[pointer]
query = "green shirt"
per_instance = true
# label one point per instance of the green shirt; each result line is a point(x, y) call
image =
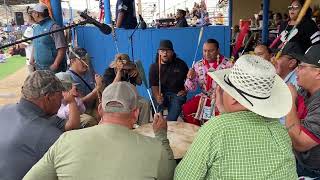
point(105, 152)
point(240, 145)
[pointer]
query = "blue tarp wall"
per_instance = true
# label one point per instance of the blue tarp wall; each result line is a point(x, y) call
point(102, 48)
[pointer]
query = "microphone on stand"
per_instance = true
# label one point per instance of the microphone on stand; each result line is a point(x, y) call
point(143, 24)
point(105, 29)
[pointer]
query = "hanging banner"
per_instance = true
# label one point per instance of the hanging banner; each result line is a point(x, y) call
point(47, 2)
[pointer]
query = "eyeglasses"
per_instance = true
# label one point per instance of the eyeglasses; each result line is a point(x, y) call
point(165, 50)
point(296, 7)
point(301, 66)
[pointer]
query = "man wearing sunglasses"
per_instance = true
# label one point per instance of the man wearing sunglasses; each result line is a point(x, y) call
point(305, 133)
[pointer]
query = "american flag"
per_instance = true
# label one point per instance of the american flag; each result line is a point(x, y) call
point(101, 6)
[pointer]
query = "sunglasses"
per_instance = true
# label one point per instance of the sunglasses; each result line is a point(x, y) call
point(296, 7)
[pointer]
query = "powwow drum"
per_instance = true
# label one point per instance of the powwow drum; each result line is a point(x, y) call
point(180, 135)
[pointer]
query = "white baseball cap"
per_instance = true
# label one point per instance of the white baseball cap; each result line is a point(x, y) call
point(40, 7)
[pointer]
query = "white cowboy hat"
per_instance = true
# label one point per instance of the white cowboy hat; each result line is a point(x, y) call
point(253, 82)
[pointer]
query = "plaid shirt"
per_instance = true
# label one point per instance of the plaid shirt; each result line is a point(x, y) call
point(240, 145)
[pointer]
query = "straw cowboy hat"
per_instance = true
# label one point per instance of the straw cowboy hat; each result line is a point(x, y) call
point(253, 82)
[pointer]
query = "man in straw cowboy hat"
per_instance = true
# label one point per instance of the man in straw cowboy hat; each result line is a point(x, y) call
point(305, 131)
point(246, 141)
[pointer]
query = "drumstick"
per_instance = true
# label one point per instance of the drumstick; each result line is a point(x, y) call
point(199, 40)
point(159, 68)
point(152, 103)
point(300, 16)
point(114, 37)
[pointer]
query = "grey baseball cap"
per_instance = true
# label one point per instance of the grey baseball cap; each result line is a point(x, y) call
point(119, 97)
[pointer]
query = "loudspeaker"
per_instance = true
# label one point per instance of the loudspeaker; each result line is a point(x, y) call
point(19, 18)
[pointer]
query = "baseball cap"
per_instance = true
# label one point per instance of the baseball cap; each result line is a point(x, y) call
point(292, 49)
point(166, 45)
point(79, 53)
point(40, 83)
point(40, 7)
point(119, 97)
point(66, 80)
point(311, 56)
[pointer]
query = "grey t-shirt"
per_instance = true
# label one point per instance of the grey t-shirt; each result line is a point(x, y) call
point(58, 37)
point(26, 135)
point(311, 126)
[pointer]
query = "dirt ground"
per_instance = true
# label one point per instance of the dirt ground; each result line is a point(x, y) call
point(10, 86)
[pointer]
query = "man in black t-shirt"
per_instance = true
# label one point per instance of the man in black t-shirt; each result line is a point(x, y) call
point(126, 14)
point(173, 72)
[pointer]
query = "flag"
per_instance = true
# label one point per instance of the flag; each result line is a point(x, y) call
point(47, 2)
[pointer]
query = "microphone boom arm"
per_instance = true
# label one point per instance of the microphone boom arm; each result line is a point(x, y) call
point(44, 34)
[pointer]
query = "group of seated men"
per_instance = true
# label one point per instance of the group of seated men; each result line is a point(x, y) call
point(243, 139)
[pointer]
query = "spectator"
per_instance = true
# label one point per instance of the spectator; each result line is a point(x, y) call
point(125, 14)
point(307, 30)
point(48, 51)
point(181, 18)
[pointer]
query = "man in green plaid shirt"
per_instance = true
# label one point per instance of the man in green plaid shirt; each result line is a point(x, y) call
point(247, 141)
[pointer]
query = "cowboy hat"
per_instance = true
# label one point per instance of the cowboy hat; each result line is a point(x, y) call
point(253, 82)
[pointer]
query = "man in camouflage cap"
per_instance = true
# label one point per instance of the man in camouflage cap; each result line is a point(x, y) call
point(30, 127)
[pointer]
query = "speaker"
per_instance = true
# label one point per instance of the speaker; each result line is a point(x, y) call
point(19, 18)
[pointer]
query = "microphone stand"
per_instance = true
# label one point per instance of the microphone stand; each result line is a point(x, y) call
point(130, 39)
point(45, 34)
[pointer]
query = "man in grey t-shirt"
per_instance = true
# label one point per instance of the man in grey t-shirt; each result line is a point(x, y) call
point(30, 127)
point(305, 133)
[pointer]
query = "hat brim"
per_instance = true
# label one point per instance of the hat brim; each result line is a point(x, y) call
point(276, 106)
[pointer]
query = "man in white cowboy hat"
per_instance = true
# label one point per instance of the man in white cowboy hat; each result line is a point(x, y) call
point(246, 141)
point(305, 131)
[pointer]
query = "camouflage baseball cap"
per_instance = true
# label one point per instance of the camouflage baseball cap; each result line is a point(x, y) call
point(40, 83)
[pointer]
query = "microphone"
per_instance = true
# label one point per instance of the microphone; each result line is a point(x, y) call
point(105, 29)
point(143, 24)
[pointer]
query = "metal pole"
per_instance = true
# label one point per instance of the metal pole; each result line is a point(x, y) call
point(159, 8)
point(107, 12)
point(5, 6)
point(164, 8)
point(230, 13)
point(265, 18)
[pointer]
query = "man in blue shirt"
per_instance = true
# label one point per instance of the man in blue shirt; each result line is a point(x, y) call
point(126, 14)
point(48, 51)
point(30, 127)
